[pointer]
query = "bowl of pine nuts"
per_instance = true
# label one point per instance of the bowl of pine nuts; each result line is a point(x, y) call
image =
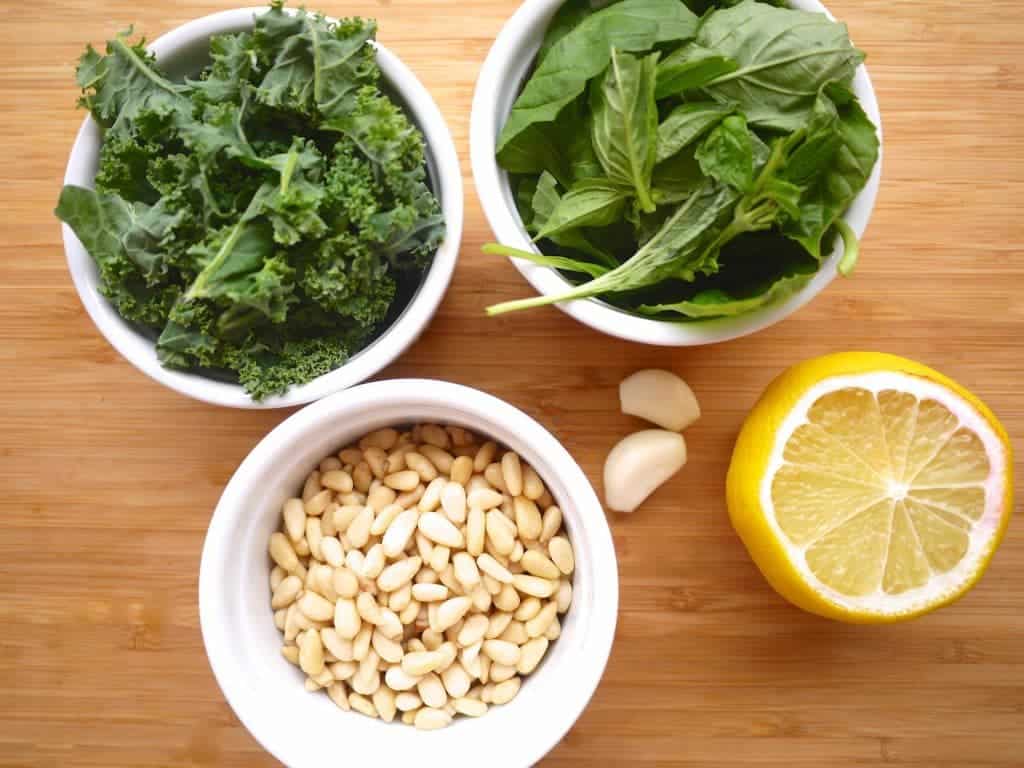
point(416, 568)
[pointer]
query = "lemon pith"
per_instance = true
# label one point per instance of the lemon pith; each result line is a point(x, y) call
point(870, 488)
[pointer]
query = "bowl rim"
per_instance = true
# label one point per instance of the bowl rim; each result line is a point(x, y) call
point(140, 351)
point(504, 68)
point(583, 669)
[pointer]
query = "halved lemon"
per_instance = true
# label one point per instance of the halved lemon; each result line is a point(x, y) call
point(870, 488)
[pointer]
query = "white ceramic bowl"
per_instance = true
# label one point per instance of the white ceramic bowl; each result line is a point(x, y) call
point(501, 78)
point(306, 730)
point(183, 51)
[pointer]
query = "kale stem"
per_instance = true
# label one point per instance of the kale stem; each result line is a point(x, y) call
point(125, 50)
point(851, 248)
point(289, 167)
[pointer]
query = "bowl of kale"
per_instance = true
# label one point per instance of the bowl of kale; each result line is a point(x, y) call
point(262, 207)
point(675, 172)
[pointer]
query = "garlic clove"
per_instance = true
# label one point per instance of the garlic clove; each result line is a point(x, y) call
point(660, 397)
point(639, 464)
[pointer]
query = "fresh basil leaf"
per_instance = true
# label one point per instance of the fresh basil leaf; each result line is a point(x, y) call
point(687, 123)
point(676, 250)
point(689, 67)
point(546, 201)
point(590, 203)
point(584, 53)
point(727, 154)
point(838, 183)
point(566, 18)
point(625, 122)
point(785, 57)
point(677, 178)
point(556, 262)
point(716, 303)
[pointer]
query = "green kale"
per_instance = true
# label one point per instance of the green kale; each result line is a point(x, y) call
point(265, 219)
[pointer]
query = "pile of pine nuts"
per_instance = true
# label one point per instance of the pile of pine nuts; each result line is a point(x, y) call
point(418, 577)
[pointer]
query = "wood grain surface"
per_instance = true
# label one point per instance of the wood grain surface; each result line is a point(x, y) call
point(108, 480)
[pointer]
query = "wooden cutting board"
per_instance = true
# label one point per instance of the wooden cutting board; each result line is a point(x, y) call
point(108, 480)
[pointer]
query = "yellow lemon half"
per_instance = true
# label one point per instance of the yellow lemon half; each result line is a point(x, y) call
point(870, 488)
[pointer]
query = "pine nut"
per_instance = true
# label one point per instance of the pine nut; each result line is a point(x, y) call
point(484, 498)
point(373, 563)
point(439, 558)
point(501, 532)
point(384, 518)
point(431, 690)
point(498, 623)
point(534, 585)
point(419, 663)
point(291, 653)
point(533, 486)
point(339, 695)
point(470, 707)
point(451, 611)
point(386, 648)
point(439, 457)
point(318, 503)
point(473, 630)
point(407, 701)
point(277, 575)
point(481, 598)
point(512, 473)
point(344, 515)
point(410, 498)
point(409, 613)
point(316, 607)
point(312, 486)
point(456, 681)
point(362, 476)
point(431, 498)
point(362, 705)
point(377, 459)
point(420, 464)
point(338, 647)
point(440, 529)
point(314, 533)
point(302, 550)
point(502, 652)
point(552, 521)
point(311, 652)
point(358, 531)
point(494, 569)
point(346, 619)
point(434, 435)
point(453, 500)
point(500, 673)
point(405, 480)
point(331, 551)
point(361, 642)
point(449, 580)
point(279, 617)
point(539, 624)
point(527, 609)
point(424, 547)
point(389, 623)
point(380, 496)
point(561, 553)
point(494, 476)
point(475, 530)
point(345, 583)
point(384, 439)
point(286, 592)
point(537, 564)
point(294, 514)
point(504, 692)
point(399, 532)
point(508, 599)
point(350, 456)
point(528, 518)
point(428, 593)
point(461, 470)
point(516, 555)
point(515, 633)
point(466, 570)
point(384, 702)
point(484, 456)
point(530, 655)
point(428, 719)
point(397, 679)
point(399, 573)
point(337, 480)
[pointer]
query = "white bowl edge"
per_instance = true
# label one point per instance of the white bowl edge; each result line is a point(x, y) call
point(242, 643)
point(141, 351)
point(508, 61)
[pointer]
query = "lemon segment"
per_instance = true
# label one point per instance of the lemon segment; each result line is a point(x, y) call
point(870, 488)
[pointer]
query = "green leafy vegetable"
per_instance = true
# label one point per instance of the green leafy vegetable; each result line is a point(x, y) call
point(625, 123)
point(784, 58)
point(690, 67)
point(584, 52)
point(686, 168)
point(266, 219)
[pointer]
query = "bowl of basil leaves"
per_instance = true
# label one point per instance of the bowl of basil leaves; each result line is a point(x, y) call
point(263, 207)
point(675, 173)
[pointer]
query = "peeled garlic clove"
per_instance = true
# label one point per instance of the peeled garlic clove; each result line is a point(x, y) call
point(660, 397)
point(639, 464)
